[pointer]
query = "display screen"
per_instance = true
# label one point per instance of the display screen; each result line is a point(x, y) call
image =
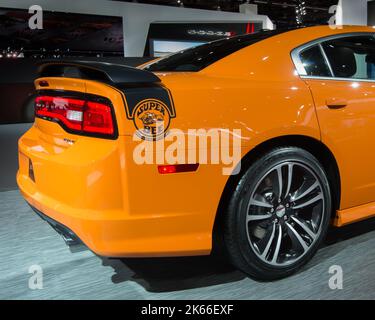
point(162, 48)
point(63, 34)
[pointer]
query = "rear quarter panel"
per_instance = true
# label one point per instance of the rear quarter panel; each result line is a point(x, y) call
point(262, 110)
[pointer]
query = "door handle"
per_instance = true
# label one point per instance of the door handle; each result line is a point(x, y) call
point(336, 103)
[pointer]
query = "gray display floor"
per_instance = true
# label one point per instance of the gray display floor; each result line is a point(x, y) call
point(76, 273)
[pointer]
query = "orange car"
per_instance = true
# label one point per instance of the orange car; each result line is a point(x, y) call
point(303, 101)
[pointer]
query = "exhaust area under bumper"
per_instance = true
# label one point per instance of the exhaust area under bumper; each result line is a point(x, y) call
point(68, 235)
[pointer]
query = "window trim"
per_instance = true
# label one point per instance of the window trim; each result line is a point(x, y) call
point(301, 71)
point(325, 57)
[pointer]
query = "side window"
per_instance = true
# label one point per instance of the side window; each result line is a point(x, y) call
point(352, 57)
point(314, 62)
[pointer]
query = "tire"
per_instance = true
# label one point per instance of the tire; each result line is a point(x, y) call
point(258, 227)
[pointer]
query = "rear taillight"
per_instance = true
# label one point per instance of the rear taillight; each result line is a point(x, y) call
point(77, 115)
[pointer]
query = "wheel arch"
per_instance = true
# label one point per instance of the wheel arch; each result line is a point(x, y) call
point(314, 146)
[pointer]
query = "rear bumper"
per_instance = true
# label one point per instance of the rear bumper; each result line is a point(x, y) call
point(117, 234)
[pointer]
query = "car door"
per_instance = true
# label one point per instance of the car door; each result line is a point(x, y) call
point(340, 72)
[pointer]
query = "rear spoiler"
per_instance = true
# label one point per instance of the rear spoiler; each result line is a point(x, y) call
point(114, 74)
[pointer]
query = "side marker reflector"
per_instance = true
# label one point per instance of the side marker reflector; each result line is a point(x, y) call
point(177, 168)
point(31, 171)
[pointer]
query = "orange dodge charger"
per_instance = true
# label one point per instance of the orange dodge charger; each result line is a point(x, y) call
point(300, 103)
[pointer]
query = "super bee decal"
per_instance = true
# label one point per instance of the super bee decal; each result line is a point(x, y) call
point(151, 109)
point(151, 118)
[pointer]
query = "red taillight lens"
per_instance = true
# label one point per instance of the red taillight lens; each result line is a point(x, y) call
point(97, 118)
point(68, 111)
point(77, 115)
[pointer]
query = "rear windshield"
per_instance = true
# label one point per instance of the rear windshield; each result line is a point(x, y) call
point(198, 58)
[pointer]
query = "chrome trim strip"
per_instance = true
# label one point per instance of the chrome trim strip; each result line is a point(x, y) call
point(338, 79)
point(295, 54)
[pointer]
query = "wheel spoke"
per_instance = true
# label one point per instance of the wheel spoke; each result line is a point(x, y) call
point(304, 226)
point(270, 239)
point(258, 217)
point(306, 192)
point(307, 203)
point(278, 245)
point(290, 177)
point(296, 238)
point(280, 181)
point(259, 203)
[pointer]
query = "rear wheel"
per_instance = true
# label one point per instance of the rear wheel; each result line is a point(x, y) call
point(278, 215)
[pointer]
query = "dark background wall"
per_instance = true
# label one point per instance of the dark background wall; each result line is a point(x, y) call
point(371, 13)
point(63, 34)
point(9, 135)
